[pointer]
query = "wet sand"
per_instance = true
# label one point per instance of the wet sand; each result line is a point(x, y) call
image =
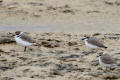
point(81, 16)
point(59, 56)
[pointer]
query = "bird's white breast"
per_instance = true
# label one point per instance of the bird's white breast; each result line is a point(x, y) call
point(21, 42)
point(90, 45)
point(100, 61)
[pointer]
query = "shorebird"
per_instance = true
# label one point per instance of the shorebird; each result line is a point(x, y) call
point(23, 39)
point(93, 42)
point(106, 61)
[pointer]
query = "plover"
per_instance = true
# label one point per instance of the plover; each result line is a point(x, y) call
point(93, 42)
point(106, 61)
point(23, 39)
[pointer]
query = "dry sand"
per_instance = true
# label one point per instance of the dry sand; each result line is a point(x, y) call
point(59, 56)
point(58, 25)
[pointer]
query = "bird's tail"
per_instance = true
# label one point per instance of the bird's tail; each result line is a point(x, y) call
point(105, 47)
point(118, 65)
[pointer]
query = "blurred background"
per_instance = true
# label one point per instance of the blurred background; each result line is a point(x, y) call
point(81, 16)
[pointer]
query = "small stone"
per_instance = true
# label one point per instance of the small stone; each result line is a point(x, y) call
point(99, 68)
point(1, 1)
point(54, 72)
point(96, 34)
point(95, 74)
point(72, 43)
point(111, 75)
point(117, 2)
point(6, 66)
point(68, 11)
point(76, 49)
point(109, 2)
point(95, 63)
point(68, 57)
point(6, 40)
point(51, 8)
point(6, 78)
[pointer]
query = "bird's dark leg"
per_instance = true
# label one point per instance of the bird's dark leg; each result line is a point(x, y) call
point(111, 68)
point(106, 68)
point(25, 48)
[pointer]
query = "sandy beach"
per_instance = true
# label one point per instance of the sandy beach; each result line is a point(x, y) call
point(59, 56)
point(58, 26)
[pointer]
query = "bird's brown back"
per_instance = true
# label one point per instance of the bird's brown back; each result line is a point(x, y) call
point(27, 38)
point(107, 59)
point(96, 41)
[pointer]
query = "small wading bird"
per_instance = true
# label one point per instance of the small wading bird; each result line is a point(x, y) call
point(23, 39)
point(106, 61)
point(93, 42)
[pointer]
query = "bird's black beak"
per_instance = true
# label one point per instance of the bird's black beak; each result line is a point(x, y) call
point(83, 38)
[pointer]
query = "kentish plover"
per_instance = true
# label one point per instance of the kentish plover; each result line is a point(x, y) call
point(23, 39)
point(106, 61)
point(93, 42)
